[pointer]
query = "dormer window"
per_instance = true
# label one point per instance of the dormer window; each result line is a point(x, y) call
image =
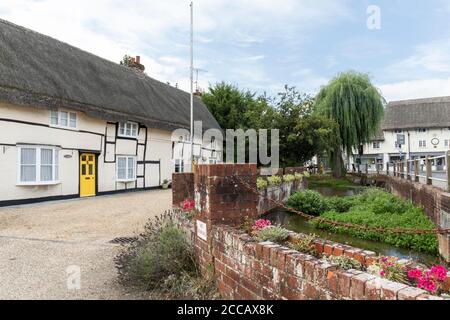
point(64, 119)
point(128, 129)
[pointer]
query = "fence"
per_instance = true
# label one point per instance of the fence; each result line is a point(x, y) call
point(430, 170)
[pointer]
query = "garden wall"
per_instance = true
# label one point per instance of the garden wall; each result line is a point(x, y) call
point(245, 269)
point(182, 187)
point(435, 201)
point(279, 193)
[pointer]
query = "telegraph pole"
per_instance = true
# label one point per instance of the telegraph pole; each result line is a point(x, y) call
point(192, 85)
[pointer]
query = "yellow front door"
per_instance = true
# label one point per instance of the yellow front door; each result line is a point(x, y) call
point(87, 174)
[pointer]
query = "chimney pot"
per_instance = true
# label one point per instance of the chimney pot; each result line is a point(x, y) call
point(138, 59)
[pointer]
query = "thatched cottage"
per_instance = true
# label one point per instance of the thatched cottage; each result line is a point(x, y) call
point(73, 124)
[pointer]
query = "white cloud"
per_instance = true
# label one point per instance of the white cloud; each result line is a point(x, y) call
point(426, 88)
point(159, 30)
point(428, 57)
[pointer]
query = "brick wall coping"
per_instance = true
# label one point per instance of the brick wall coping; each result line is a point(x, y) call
point(351, 284)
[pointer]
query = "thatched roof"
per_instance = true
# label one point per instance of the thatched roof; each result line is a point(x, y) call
point(37, 70)
point(420, 113)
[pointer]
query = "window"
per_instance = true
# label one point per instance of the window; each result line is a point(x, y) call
point(38, 165)
point(446, 143)
point(422, 143)
point(213, 143)
point(179, 165)
point(376, 145)
point(398, 131)
point(128, 129)
point(421, 130)
point(63, 119)
point(126, 168)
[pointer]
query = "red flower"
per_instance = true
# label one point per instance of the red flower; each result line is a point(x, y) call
point(188, 205)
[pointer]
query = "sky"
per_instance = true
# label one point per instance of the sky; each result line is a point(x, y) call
point(260, 45)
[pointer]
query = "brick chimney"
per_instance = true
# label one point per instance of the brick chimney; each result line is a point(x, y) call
point(138, 59)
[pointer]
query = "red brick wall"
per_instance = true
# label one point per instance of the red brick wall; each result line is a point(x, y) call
point(245, 269)
point(182, 187)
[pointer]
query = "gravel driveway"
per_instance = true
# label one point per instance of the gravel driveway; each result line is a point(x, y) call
point(38, 243)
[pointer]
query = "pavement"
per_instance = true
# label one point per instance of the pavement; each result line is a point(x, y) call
point(62, 250)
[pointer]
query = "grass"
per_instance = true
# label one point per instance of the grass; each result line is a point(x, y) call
point(378, 208)
point(321, 181)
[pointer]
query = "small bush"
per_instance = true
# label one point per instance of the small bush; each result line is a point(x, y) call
point(274, 180)
point(304, 244)
point(339, 204)
point(162, 250)
point(288, 178)
point(345, 262)
point(273, 234)
point(309, 202)
point(261, 183)
point(389, 268)
point(247, 224)
point(298, 176)
point(186, 287)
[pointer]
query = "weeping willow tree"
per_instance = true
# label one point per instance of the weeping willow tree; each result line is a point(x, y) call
point(357, 107)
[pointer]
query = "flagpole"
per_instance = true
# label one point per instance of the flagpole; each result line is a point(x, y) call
point(192, 86)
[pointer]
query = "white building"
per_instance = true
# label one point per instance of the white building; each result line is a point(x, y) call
point(73, 124)
point(422, 127)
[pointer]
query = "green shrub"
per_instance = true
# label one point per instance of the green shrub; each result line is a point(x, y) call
point(345, 262)
point(339, 204)
point(261, 183)
point(273, 233)
point(414, 218)
point(161, 251)
point(298, 176)
point(308, 201)
point(274, 180)
point(187, 287)
point(304, 244)
point(288, 178)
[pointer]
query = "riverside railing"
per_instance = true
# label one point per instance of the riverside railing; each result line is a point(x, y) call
point(429, 170)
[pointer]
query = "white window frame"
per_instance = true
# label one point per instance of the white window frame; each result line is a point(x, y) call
point(70, 115)
point(127, 179)
point(376, 145)
point(37, 181)
point(122, 130)
point(422, 143)
point(180, 165)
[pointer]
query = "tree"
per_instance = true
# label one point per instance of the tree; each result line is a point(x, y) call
point(291, 106)
point(357, 107)
point(313, 135)
point(227, 104)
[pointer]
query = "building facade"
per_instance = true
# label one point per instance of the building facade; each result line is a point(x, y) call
point(75, 125)
point(411, 129)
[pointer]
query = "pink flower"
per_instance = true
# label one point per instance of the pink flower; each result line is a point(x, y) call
point(261, 224)
point(438, 272)
point(382, 273)
point(415, 274)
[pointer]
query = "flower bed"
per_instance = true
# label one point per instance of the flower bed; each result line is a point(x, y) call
point(435, 280)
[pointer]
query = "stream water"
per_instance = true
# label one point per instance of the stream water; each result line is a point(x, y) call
point(299, 224)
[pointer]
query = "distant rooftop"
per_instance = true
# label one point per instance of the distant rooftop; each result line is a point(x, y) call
point(418, 113)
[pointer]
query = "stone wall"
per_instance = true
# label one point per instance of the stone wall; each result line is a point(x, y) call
point(245, 269)
point(279, 193)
